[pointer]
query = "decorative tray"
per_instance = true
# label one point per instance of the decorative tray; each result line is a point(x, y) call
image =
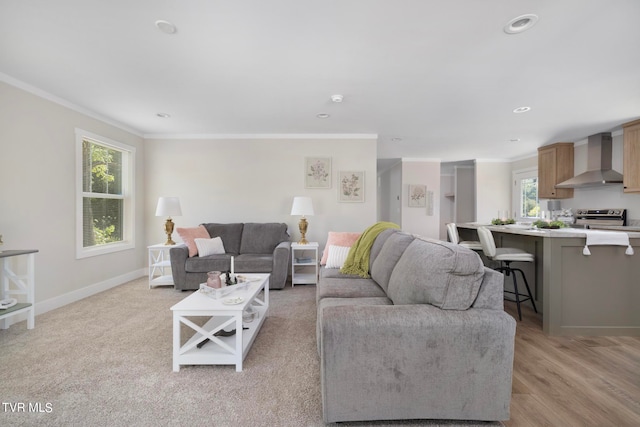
point(218, 293)
point(222, 292)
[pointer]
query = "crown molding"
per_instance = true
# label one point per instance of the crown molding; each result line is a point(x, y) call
point(263, 136)
point(67, 104)
point(418, 159)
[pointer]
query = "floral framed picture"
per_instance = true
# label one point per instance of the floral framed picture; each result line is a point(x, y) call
point(417, 196)
point(317, 172)
point(351, 186)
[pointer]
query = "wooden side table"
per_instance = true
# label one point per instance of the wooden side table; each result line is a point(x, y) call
point(304, 263)
point(15, 285)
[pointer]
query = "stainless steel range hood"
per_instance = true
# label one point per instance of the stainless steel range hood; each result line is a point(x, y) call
point(599, 171)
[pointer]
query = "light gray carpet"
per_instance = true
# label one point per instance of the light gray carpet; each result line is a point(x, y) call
point(107, 361)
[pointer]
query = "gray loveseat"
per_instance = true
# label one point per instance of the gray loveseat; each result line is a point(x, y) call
point(426, 337)
point(256, 248)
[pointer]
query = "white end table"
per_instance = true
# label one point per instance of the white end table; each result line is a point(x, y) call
point(160, 265)
point(304, 263)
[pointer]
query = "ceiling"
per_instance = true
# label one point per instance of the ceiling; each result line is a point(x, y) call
point(432, 79)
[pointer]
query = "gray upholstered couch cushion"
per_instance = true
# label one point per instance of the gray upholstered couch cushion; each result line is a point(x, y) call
point(390, 253)
point(438, 273)
point(354, 287)
point(198, 264)
point(262, 238)
point(379, 243)
point(229, 233)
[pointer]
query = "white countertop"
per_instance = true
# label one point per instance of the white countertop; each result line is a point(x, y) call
point(556, 232)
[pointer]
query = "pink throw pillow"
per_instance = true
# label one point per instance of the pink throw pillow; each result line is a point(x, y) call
point(189, 236)
point(338, 238)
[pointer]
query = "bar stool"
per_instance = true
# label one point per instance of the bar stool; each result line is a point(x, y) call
point(507, 256)
point(452, 232)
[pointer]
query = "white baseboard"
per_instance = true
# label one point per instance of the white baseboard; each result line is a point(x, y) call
point(87, 291)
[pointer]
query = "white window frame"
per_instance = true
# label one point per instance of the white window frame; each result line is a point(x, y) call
point(128, 196)
point(516, 191)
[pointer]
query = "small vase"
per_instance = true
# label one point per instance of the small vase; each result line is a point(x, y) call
point(213, 281)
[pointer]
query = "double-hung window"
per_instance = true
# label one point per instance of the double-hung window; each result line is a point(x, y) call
point(104, 202)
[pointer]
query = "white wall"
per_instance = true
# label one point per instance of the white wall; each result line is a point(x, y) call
point(493, 189)
point(37, 196)
point(255, 180)
point(415, 220)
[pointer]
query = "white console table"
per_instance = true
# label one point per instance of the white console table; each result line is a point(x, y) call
point(18, 285)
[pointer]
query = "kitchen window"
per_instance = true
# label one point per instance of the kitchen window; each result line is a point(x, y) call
point(104, 202)
point(525, 194)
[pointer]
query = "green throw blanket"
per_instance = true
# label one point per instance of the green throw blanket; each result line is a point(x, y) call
point(357, 261)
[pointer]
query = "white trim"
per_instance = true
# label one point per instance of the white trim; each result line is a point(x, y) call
point(263, 136)
point(492, 161)
point(128, 165)
point(60, 101)
point(523, 170)
point(524, 157)
point(87, 291)
point(418, 159)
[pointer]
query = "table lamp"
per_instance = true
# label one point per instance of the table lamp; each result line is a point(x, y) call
point(168, 206)
point(302, 206)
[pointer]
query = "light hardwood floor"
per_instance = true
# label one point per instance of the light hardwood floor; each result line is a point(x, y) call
point(573, 381)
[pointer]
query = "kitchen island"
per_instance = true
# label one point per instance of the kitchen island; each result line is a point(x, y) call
point(577, 294)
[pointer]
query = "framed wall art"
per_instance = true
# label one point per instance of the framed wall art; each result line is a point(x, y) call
point(417, 196)
point(351, 186)
point(317, 172)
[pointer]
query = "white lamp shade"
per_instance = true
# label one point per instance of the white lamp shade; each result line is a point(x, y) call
point(168, 206)
point(302, 206)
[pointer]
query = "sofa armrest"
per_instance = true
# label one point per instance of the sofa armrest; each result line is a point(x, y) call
point(415, 361)
point(280, 269)
point(178, 256)
point(491, 293)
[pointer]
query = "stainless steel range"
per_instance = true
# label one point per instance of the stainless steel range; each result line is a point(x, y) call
point(596, 218)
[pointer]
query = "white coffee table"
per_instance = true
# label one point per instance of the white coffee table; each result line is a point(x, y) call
point(219, 350)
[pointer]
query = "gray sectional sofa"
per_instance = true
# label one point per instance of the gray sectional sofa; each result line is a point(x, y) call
point(425, 337)
point(256, 248)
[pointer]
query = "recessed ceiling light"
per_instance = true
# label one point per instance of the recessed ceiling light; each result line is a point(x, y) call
point(514, 140)
point(163, 115)
point(396, 139)
point(520, 23)
point(166, 26)
point(336, 98)
point(522, 110)
point(322, 116)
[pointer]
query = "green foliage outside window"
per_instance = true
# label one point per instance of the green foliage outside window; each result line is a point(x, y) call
point(102, 175)
point(530, 206)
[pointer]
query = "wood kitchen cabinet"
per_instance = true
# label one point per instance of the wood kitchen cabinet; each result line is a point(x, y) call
point(555, 165)
point(631, 157)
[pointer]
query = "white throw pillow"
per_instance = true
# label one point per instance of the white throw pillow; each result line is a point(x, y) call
point(209, 246)
point(337, 256)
